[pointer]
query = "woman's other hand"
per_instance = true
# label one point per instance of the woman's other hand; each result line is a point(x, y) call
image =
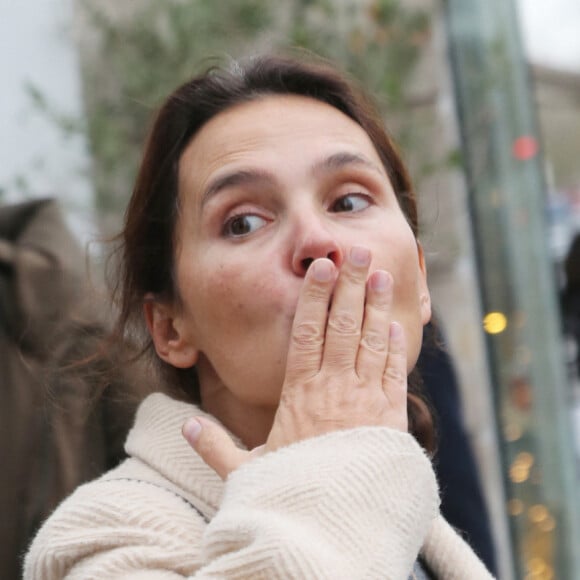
point(346, 366)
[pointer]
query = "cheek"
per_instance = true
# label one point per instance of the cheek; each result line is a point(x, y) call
point(400, 257)
point(239, 294)
point(407, 274)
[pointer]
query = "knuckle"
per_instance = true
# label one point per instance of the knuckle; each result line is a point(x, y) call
point(380, 303)
point(395, 375)
point(317, 292)
point(338, 361)
point(354, 275)
point(307, 336)
point(396, 349)
point(344, 322)
point(374, 342)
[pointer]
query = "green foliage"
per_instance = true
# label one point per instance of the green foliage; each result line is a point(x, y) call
point(139, 60)
point(379, 44)
point(143, 59)
point(70, 126)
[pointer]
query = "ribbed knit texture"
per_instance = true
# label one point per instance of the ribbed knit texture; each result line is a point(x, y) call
point(355, 504)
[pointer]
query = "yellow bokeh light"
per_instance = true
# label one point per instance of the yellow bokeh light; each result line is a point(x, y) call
point(537, 566)
point(546, 574)
point(525, 459)
point(538, 513)
point(494, 322)
point(512, 432)
point(519, 473)
point(515, 507)
point(548, 525)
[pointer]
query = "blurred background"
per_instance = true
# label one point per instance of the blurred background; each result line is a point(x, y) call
point(483, 97)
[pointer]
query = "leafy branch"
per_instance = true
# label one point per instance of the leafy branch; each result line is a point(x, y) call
point(134, 62)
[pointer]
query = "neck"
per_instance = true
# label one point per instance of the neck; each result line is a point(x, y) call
point(250, 423)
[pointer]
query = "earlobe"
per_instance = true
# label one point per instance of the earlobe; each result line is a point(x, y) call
point(172, 343)
point(425, 308)
point(424, 294)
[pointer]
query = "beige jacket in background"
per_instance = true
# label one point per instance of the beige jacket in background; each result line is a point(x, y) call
point(61, 424)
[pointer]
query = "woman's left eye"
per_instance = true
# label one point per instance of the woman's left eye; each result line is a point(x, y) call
point(352, 202)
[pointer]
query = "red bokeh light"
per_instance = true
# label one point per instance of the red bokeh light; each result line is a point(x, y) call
point(525, 147)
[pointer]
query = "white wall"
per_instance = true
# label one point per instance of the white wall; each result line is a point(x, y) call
point(551, 32)
point(36, 47)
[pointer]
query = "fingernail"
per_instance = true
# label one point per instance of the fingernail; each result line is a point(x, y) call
point(395, 331)
point(380, 281)
point(360, 256)
point(191, 430)
point(322, 270)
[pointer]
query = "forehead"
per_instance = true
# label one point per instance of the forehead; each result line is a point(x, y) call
point(267, 130)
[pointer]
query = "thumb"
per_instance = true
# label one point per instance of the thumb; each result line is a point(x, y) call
point(214, 445)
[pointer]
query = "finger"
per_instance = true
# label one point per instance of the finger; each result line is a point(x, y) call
point(343, 330)
point(307, 337)
point(395, 375)
point(374, 343)
point(214, 445)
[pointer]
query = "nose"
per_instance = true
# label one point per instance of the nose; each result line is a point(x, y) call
point(312, 241)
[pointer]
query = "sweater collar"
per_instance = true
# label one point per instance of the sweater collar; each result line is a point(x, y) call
point(157, 441)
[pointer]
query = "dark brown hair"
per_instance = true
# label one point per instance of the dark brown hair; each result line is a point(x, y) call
point(148, 240)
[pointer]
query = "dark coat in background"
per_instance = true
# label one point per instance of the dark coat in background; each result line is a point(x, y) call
point(570, 301)
point(462, 501)
point(60, 423)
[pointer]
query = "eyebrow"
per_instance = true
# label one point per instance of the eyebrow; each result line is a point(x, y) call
point(344, 159)
point(236, 179)
point(261, 177)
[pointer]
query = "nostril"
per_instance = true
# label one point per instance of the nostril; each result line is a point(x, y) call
point(333, 257)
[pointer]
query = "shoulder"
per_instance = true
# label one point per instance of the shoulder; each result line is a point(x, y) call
point(115, 514)
point(130, 494)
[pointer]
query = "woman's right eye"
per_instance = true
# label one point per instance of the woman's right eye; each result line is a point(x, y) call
point(242, 225)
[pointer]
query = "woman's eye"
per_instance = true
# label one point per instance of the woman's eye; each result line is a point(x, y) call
point(351, 202)
point(242, 225)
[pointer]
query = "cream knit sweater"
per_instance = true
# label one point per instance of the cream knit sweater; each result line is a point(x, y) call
point(352, 504)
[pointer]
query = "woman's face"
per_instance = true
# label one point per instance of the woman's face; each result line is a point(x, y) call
point(266, 187)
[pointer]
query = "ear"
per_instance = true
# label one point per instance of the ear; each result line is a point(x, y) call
point(424, 294)
point(169, 333)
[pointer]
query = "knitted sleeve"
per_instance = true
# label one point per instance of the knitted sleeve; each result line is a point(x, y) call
point(350, 504)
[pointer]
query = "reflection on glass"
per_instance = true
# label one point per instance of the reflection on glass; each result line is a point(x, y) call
point(507, 186)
